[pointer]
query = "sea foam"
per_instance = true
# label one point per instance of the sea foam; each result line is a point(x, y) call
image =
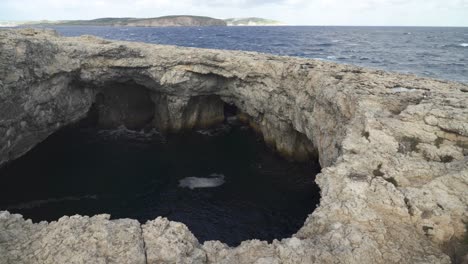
point(214, 180)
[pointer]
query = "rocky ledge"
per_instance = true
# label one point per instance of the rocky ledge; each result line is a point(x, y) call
point(393, 148)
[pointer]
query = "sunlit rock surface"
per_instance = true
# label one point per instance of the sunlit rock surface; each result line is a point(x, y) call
point(393, 147)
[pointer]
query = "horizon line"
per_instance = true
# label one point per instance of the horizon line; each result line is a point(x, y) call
point(284, 24)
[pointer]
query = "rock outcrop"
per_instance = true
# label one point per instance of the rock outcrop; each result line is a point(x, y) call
point(393, 148)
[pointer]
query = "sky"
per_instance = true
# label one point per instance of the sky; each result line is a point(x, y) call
point(292, 12)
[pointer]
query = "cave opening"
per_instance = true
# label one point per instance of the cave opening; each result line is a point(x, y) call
point(230, 110)
point(221, 179)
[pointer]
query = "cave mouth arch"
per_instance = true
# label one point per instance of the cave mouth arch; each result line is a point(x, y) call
point(132, 158)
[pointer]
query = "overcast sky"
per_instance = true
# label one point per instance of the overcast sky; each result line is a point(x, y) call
point(294, 12)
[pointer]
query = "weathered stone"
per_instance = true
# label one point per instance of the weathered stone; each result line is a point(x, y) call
point(171, 242)
point(123, 104)
point(394, 183)
point(75, 239)
point(174, 113)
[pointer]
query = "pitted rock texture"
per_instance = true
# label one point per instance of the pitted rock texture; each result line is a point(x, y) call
point(394, 148)
point(72, 239)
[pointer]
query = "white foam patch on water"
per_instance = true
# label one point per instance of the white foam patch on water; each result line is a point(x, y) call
point(122, 131)
point(214, 180)
point(214, 131)
point(464, 45)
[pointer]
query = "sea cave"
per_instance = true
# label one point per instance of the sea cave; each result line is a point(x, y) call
point(215, 173)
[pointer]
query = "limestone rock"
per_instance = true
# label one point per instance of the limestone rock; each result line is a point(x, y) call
point(74, 239)
point(171, 242)
point(393, 148)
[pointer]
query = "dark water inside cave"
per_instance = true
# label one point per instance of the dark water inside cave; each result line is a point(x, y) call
point(253, 193)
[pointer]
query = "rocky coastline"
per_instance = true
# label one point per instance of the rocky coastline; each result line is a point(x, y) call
point(393, 148)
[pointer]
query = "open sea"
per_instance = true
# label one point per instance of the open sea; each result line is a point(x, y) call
point(434, 52)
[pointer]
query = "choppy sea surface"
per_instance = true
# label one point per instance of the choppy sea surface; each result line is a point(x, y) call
point(440, 53)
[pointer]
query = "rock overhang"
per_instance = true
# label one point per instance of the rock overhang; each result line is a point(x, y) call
point(393, 147)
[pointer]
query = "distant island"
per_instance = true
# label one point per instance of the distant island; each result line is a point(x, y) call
point(165, 21)
point(252, 21)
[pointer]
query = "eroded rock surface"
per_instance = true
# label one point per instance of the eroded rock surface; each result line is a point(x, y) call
point(394, 149)
point(74, 239)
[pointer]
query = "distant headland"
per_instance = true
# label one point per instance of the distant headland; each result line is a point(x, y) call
point(164, 21)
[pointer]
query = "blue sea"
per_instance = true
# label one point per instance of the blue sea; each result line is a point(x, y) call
point(440, 53)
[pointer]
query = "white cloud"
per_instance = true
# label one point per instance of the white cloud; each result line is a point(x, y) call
point(315, 12)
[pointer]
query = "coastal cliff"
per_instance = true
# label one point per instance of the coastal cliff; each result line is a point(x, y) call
point(252, 21)
point(393, 147)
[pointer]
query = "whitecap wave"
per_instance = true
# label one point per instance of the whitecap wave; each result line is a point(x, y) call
point(464, 45)
point(214, 180)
